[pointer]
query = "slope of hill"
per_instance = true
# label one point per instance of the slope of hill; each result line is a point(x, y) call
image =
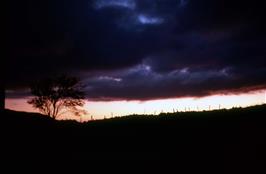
point(222, 141)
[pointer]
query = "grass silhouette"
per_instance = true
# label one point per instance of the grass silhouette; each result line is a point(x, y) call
point(220, 141)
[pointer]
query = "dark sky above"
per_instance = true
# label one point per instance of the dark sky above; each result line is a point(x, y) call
point(139, 49)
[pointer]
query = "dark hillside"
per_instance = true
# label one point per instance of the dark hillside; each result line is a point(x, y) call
point(222, 141)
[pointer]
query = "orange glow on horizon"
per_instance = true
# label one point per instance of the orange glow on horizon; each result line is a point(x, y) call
point(99, 110)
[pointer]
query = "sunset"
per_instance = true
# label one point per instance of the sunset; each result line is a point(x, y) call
point(108, 109)
point(122, 80)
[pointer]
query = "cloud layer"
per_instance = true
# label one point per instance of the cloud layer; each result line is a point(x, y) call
point(139, 49)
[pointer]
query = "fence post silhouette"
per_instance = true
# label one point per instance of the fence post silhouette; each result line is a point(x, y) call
point(2, 99)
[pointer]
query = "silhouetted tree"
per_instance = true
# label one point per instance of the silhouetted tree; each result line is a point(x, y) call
point(55, 96)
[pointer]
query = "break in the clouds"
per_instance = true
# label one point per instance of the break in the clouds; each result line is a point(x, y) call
point(144, 19)
point(100, 4)
point(138, 49)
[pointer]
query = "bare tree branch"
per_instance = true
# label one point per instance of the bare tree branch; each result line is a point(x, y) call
point(55, 95)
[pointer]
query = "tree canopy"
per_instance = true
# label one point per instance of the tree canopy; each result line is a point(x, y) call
point(55, 96)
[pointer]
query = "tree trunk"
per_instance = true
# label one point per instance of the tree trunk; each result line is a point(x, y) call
point(54, 110)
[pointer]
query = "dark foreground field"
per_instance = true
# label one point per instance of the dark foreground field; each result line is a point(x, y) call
point(224, 141)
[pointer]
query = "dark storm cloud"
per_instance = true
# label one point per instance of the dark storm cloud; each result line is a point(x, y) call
point(142, 83)
point(139, 49)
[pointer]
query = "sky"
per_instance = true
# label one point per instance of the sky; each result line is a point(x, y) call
point(139, 51)
point(103, 109)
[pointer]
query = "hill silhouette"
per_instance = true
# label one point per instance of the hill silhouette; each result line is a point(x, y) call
point(221, 141)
